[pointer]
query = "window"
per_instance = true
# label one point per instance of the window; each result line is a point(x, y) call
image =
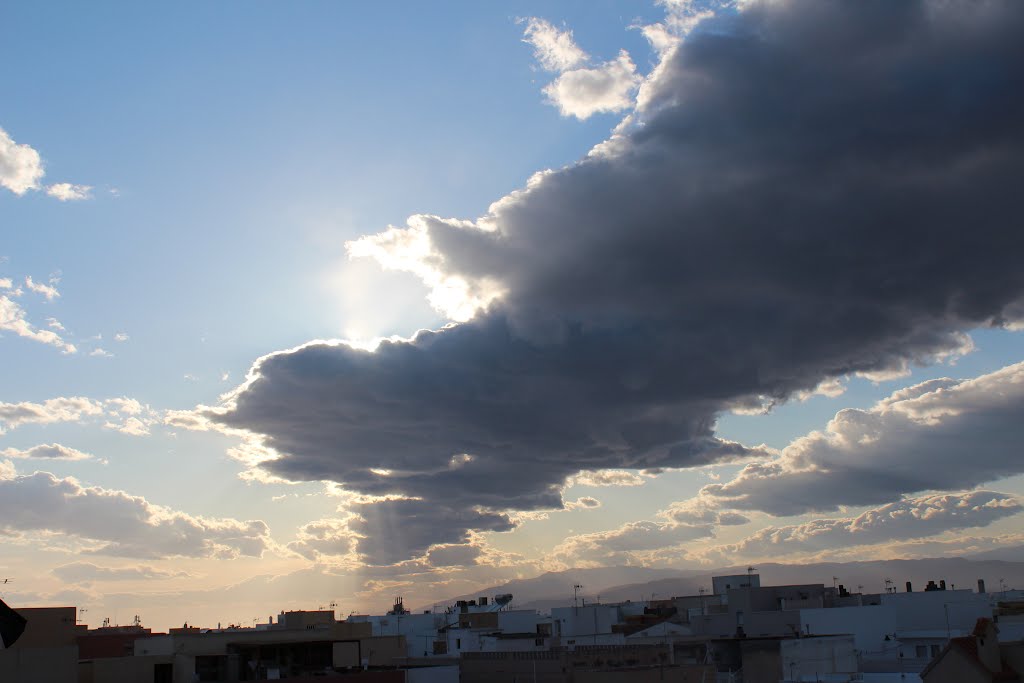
point(458, 643)
point(921, 651)
point(935, 650)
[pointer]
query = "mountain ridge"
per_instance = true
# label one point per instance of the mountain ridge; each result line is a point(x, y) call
point(554, 589)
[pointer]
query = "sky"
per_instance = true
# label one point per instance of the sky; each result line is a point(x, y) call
point(321, 302)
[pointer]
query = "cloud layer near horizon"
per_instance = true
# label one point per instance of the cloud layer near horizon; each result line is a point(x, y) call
point(112, 522)
point(807, 190)
point(911, 518)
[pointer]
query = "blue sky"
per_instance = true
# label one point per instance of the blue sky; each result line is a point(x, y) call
point(227, 154)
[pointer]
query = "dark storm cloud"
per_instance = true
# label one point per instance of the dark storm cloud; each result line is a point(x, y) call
point(807, 190)
point(394, 530)
point(942, 434)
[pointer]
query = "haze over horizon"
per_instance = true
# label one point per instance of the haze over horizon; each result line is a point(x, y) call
point(323, 302)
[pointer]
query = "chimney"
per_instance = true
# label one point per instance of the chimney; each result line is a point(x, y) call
point(942, 584)
point(981, 585)
point(909, 589)
point(483, 601)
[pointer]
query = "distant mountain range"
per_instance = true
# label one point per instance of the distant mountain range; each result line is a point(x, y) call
point(619, 584)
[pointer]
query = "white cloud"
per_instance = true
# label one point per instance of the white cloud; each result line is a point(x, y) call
point(6, 283)
point(580, 91)
point(128, 406)
point(583, 503)
point(126, 415)
point(68, 192)
point(52, 451)
point(605, 88)
point(132, 417)
point(607, 478)
point(101, 353)
point(132, 426)
point(20, 165)
point(554, 49)
point(191, 420)
point(21, 170)
point(12, 319)
point(681, 17)
point(121, 524)
point(121, 337)
point(61, 409)
point(55, 324)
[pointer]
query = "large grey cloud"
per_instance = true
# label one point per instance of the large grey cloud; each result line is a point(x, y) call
point(806, 190)
point(394, 530)
point(943, 434)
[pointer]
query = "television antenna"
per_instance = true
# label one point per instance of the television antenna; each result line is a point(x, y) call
point(576, 594)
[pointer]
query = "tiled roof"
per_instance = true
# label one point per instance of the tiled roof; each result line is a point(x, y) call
point(968, 645)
